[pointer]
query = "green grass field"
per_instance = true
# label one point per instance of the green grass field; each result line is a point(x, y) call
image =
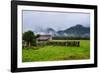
point(53, 53)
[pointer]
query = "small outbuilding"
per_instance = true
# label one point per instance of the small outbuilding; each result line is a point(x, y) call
point(44, 38)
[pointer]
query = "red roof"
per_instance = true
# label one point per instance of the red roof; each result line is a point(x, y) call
point(44, 37)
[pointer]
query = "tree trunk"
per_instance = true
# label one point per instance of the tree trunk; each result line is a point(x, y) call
point(29, 44)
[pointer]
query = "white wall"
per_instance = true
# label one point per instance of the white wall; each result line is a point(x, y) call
point(5, 37)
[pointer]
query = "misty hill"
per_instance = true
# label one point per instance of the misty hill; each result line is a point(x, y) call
point(74, 31)
point(48, 30)
point(77, 30)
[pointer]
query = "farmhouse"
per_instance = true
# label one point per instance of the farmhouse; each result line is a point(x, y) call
point(44, 38)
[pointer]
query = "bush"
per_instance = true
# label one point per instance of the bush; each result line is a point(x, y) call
point(33, 42)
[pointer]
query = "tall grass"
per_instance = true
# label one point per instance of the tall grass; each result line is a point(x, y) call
point(52, 53)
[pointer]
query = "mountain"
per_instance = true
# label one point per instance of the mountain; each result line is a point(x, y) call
point(51, 31)
point(78, 30)
point(48, 30)
point(74, 31)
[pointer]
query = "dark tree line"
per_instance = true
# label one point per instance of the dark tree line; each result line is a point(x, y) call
point(70, 38)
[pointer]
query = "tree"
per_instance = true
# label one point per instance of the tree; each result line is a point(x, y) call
point(28, 37)
point(38, 35)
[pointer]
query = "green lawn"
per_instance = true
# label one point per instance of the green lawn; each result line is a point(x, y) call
point(52, 53)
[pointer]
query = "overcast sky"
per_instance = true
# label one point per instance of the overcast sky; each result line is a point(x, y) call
point(37, 21)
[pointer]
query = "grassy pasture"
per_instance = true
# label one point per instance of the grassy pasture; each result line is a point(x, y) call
point(53, 53)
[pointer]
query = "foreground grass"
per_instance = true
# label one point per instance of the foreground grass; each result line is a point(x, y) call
point(51, 53)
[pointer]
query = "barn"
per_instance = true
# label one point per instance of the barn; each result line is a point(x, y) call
point(44, 38)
